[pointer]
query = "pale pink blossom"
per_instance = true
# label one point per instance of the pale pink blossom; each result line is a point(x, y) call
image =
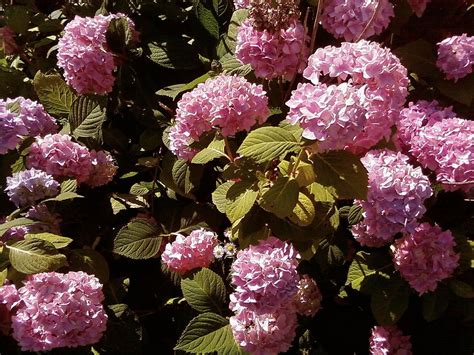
point(456, 56)
point(389, 340)
point(308, 297)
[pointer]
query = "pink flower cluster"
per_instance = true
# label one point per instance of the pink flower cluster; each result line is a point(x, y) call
point(83, 54)
point(241, 4)
point(416, 116)
point(389, 340)
point(333, 115)
point(54, 310)
point(380, 81)
point(308, 297)
point(272, 54)
point(59, 156)
point(397, 191)
point(7, 41)
point(228, 103)
point(356, 19)
point(28, 186)
point(266, 282)
point(456, 56)
point(447, 148)
point(418, 6)
point(425, 257)
point(191, 252)
point(22, 117)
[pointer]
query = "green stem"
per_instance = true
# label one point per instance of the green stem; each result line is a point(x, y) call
point(228, 150)
point(294, 167)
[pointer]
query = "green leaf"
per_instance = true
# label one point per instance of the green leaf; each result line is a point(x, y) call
point(341, 172)
point(87, 116)
point(389, 302)
point(219, 196)
point(419, 57)
point(205, 15)
point(91, 262)
point(57, 240)
point(118, 35)
point(230, 40)
point(69, 185)
point(461, 288)
point(303, 214)
point(206, 333)
point(367, 270)
point(175, 54)
point(141, 188)
point(31, 256)
point(3, 276)
point(15, 223)
point(267, 143)
point(138, 240)
point(232, 66)
point(55, 95)
point(204, 291)
point(435, 303)
point(461, 91)
point(281, 198)
point(18, 18)
point(305, 174)
point(174, 90)
point(63, 197)
point(213, 151)
point(355, 214)
point(241, 198)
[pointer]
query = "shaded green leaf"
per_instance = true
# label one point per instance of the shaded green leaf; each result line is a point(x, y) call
point(87, 116)
point(281, 198)
point(211, 152)
point(57, 240)
point(435, 303)
point(176, 53)
point(241, 198)
point(138, 240)
point(204, 291)
point(55, 95)
point(390, 301)
point(91, 262)
point(219, 196)
point(303, 214)
point(461, 288)
point(355, 214)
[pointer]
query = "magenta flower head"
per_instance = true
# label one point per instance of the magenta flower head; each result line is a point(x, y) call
point(28, 186)
point(33, 115)
point(103, 168)
point(395, 198)
point(83, 54)
point(308, 297)
point(264, 276)
point(447, 148)
point(230, 104)
point(56, 310)
point(356, 19)
point(241, 4)
point(273, 53)
point(191, 252)
point(425, 257)
point(264, 333)
point(60, 157)
point(418, 6)
point(456, 56)
point(388, 340)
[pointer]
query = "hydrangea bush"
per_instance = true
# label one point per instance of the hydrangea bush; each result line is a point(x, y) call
point(237, 177)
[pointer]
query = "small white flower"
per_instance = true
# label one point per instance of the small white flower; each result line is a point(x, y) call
point(219, 251)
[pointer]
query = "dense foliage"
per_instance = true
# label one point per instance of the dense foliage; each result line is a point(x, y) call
point(253, 177)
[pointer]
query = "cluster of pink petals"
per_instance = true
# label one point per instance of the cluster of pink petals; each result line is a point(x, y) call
point(416, 116)
point(395, 198)
point(54, 310)
point(264, 276)
point(28, 186)
point(389, 340)
point(228, 103)
point(456, 56)
point(241, 4)
point(377, 72)
point(191, 252)
point(308, 297)
point(20, 118)
point(59, 156)
point(333, 115)
point(83, 54)
point(425, 257)
point(356, 19)
point(264, 333)
point(7, 41)
point(272, 54)
point(447, 148)
point(418, 6)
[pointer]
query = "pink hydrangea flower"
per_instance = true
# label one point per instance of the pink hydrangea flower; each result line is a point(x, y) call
point(59, 156)
point(83, 54)
point(28, 186)
point(229, 103)
point(264, 333)
point(418, 6)
point(447, 148)
point(11, 129)
point(7, 41)
point(9, 296)
point(264, 276)
point(377, 72)
point(333, 115)
point(395, 198)
point(272, 54)
point(425, 257)
point(389, 340)
point(34, 117)
point(191, 252)
point(59, 310)
point(103, 168)
point(241, 4)
point(349, 19)
point(413, 118)
point(308, 297)
point(456, 56)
